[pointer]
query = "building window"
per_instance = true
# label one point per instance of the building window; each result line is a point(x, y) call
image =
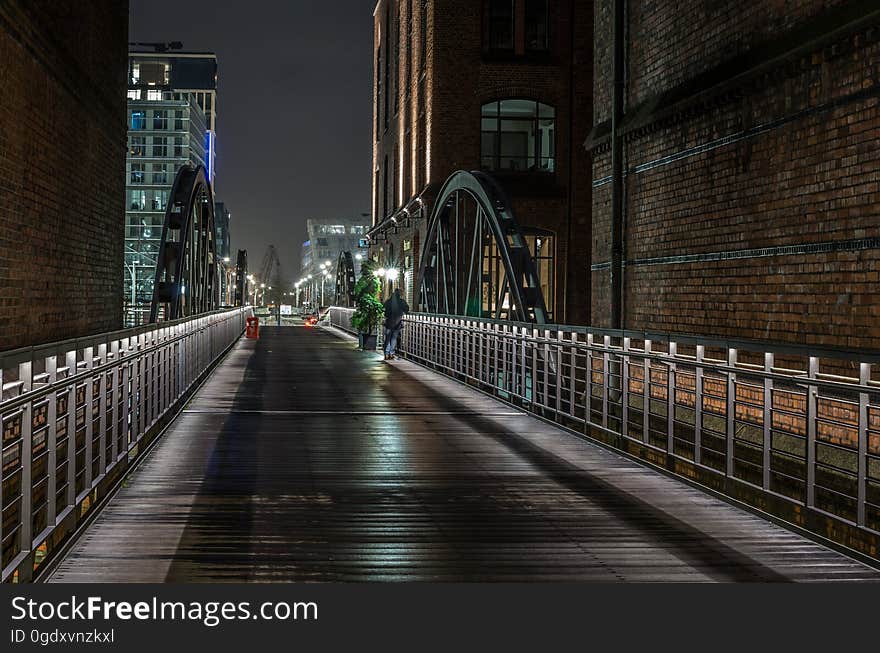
point(134, 94)
point(154, 95)
point(178, 147)
point(385, 188)
point(387, 35)
point(138, 120)
point(138, 146)
point(160, 147)
point(378, 90)
point(159, 200)
point(399, 32)
point(518, 135)
point(160, 120)
point(137, 200)
point(537, 26)
point(137, 173)
point(501, 30)
point(160, 174)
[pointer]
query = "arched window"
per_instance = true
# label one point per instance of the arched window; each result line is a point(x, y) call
point(518, 135)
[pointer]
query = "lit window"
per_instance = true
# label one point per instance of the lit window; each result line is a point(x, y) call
point(153, 94)
point(134, 94)
point(518, 135)
point(138, 146)
point(138, 120)
point(137, 173)
point(137, 200)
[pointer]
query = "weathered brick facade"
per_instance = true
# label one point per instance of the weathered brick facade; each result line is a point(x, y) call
point(62, 158)
point(752, 170)
point(427, 125)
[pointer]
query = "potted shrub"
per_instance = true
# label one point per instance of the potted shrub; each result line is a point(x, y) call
point(369, 311)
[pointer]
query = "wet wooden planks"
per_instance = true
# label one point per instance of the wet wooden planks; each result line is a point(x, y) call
point(303, 459)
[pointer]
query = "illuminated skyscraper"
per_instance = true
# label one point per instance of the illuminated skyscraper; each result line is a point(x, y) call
point(171, 122)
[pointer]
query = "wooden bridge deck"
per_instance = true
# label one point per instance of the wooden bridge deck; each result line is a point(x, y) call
point(302, 459)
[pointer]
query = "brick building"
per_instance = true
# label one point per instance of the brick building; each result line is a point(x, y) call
point(62, 153)
point(503, 86)
point(748, 135)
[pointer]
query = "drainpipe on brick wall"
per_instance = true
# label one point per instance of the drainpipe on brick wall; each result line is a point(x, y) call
point(572, 144)
point(617, 217)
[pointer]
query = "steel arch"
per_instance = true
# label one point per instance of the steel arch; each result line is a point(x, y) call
point(345, 280)
point(186, 272)
point(444, 266)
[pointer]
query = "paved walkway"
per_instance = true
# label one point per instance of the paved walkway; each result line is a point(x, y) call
point(303, 459)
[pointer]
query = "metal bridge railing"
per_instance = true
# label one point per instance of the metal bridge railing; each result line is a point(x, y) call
point(340, 317)
point(75, 414)
point(794, 431)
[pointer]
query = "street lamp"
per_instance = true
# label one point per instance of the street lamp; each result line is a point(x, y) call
point(326, 275)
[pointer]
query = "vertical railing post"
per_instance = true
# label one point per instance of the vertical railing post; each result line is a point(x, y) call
point(51, 441)
point(698, 406)
point(572, 372)
point(70, 362)
point(731, 409)
point(25, 375)
point(624, 388)
point(102, 407)
point(560, 341)
point(767, 420)
point(670, 400)
point(588, 393)
point(89, 363)
point(142, 385)
point(812, 392)
point(646, 394)
point(114, 379)
point(864, 378)
point(606, 369)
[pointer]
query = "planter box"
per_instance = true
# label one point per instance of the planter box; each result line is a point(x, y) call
point(367, 341)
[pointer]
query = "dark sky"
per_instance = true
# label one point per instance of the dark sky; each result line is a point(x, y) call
point(293, 109)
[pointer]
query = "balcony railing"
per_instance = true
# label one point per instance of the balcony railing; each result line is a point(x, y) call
point(76, 414)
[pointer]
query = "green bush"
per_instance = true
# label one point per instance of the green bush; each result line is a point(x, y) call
point(369, 311)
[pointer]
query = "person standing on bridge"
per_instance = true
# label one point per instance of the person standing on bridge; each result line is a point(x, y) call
point(395, 308)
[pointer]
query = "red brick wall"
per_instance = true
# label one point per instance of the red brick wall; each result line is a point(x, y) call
point(62, 158)
point(459, 79)
point(800, 170)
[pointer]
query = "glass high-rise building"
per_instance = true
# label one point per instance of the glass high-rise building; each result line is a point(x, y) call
point(171, 120)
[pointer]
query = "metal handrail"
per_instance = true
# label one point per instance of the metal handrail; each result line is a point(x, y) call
point(82, 411)
point(805, 437)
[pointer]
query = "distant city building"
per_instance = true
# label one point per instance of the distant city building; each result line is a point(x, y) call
point(171, 116)
point(503, 86)
point(222, 237)
point(327, 239)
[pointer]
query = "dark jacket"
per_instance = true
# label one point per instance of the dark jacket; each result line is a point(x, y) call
point(395, 308)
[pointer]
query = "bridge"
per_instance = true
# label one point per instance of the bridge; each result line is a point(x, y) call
point(490, 451)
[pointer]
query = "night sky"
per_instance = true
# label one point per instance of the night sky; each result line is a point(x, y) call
point(293, 109)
